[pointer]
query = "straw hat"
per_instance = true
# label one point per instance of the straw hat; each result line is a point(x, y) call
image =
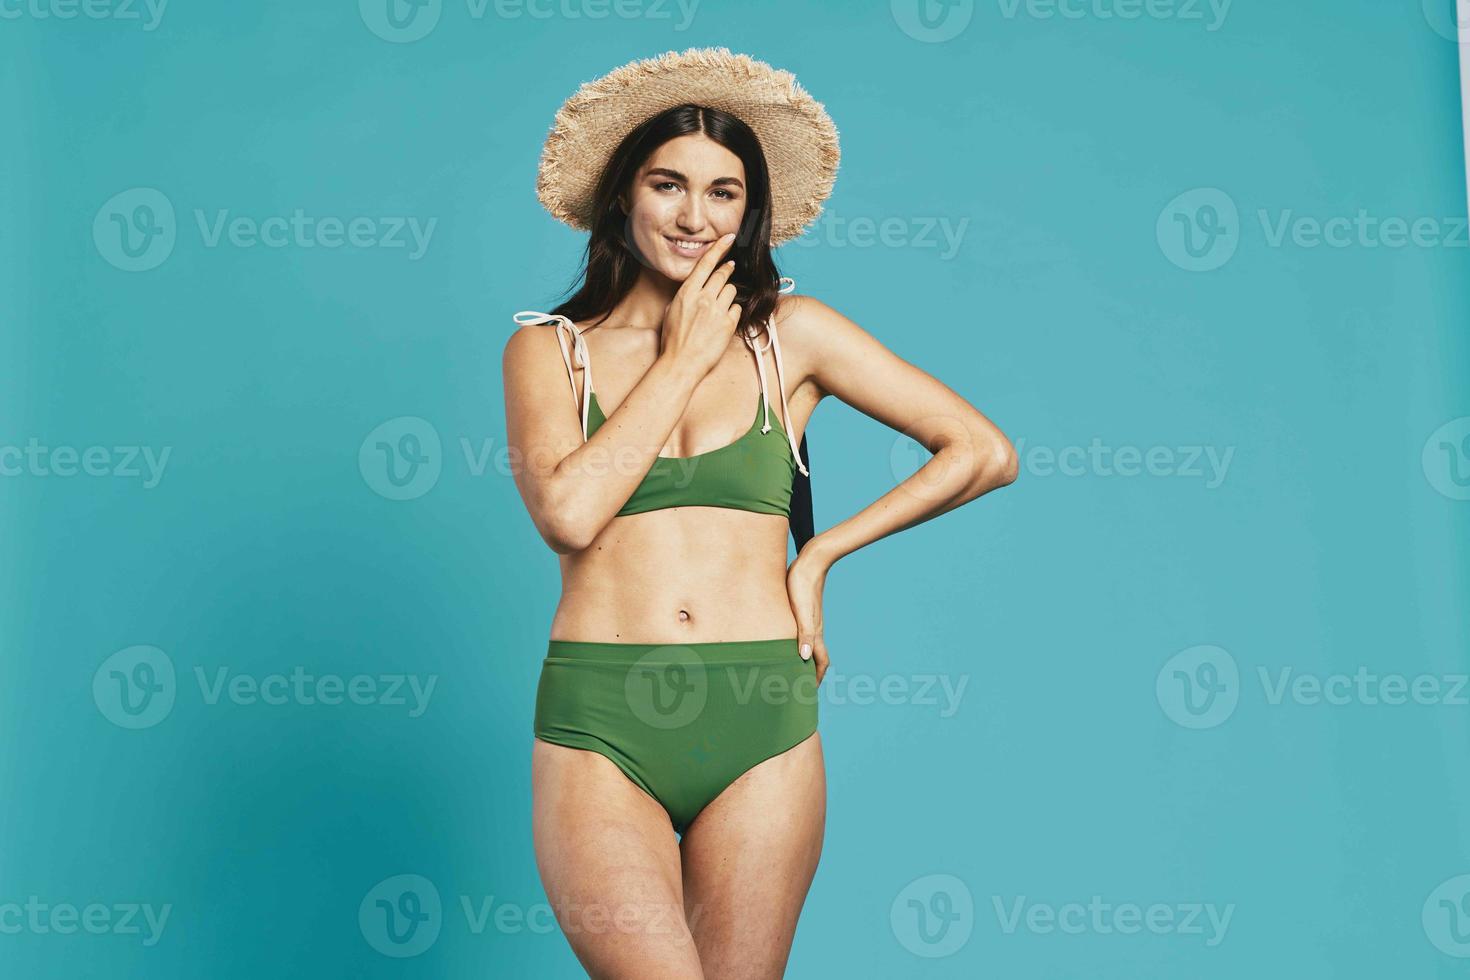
point(796, 134)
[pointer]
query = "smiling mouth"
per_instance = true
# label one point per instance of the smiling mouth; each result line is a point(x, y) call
point(687, 246)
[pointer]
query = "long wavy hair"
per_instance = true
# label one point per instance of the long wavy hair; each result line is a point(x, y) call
point(611, 264)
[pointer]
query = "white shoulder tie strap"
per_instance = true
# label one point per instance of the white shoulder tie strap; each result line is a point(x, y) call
point(760, 364)
point(579, 346)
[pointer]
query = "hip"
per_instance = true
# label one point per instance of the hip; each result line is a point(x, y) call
point(672, 685)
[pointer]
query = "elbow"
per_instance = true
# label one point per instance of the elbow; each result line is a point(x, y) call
point(562, 543)
point(566, 536)
point(998, 468)
point(1006, 463)
point(566, 529)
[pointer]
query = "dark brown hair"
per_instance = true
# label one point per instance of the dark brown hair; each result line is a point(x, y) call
point(611, 264)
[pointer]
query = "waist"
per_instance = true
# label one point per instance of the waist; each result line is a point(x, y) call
point(710, 653)
point(677, 578)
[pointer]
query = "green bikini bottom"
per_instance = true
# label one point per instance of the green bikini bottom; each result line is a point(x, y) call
point(681, 720)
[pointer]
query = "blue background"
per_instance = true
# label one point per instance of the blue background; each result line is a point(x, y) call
point(1075, 765)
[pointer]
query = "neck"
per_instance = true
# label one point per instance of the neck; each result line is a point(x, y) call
point(644, 306)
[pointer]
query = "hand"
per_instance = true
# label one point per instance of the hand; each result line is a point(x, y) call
point(703, 315)
point(804, 582)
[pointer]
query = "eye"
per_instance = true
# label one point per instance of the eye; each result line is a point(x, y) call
point(664, 183)
point(728, 195)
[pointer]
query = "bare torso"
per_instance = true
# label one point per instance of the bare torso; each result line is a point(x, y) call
point(688, 574)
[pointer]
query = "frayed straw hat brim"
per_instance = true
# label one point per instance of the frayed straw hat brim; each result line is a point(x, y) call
point(797, 136)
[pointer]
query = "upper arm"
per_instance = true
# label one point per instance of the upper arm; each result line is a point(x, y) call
point(848, 362)
point(543, 423)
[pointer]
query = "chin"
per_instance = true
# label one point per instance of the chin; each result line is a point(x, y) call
point(671, 268)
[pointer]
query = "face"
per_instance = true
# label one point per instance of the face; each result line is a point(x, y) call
point(687, 194)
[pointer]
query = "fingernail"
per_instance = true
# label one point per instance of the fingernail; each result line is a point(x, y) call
point(727, 235)
point(806, 651)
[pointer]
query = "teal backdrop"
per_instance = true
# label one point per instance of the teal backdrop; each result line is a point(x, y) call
point(1186, 700)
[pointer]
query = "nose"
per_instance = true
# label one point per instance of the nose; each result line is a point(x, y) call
point(691, 214)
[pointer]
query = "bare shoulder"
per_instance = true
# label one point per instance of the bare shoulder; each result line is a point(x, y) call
point(812, 328)
point(525, 342)
point(531, 354)
point(812, 332)
point(835, 353)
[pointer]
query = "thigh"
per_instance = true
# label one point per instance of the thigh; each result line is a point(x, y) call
point(748, 861)
point(609, 862)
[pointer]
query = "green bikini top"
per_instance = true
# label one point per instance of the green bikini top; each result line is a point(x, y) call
point(752, 473)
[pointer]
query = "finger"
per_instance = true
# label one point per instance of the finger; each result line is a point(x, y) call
point(707, 263)
point(806, 642)
point(819, 653)
point(726, 296)
point(720, 277)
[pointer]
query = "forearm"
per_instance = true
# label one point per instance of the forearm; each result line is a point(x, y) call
point(954, 475)
point(593, 482)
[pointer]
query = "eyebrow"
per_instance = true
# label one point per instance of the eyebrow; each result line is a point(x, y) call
point(666, 172)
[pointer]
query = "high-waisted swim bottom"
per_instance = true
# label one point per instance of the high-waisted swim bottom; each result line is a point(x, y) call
point(682, 720)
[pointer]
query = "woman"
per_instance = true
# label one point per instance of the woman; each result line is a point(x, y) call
point(678, 784)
